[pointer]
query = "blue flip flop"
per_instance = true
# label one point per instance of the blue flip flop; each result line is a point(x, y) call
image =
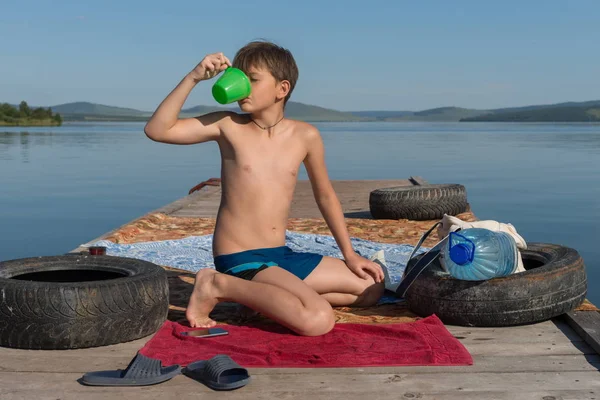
point(141, 371)
point(218, 373)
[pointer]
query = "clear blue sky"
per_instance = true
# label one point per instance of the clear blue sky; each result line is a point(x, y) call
point(352, 55)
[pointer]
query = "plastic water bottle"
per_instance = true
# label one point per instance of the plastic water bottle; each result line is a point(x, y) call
point(478, 254)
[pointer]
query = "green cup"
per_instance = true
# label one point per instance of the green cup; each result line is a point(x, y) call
point(232, 86)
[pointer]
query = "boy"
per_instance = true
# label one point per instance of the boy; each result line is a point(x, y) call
point(261, 152)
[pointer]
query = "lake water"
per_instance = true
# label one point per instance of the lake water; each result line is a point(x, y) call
point(64, 186)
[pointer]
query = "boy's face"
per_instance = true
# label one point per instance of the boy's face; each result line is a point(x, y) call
point(266, 90)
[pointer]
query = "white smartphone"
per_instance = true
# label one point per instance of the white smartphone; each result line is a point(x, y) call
point(203, 333)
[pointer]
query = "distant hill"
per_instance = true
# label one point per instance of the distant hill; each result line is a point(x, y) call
point(85, 111)
point(434, 114)
point(382, 115)
point(548, 114)
point(86, 108)
point(561, 112)
point(307, 112)
point(587, 111)
point(556, 105)
point(448, 113)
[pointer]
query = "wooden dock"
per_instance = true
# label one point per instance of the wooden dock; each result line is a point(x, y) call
point(548, 360)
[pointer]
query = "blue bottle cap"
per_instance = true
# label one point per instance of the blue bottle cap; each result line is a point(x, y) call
point(460, 254)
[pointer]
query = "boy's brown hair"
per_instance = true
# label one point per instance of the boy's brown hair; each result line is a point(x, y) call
point(277, 60)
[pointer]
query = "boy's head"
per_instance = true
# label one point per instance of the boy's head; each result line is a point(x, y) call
point(272, 71)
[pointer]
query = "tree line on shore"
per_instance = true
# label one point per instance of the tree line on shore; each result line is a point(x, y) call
point(24, 114)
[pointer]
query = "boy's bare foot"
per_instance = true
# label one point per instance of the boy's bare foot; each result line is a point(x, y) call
point(203, 300)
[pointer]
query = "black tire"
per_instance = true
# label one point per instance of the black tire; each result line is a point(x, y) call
point(418, 203)
point(78, 301)
point(554, 283)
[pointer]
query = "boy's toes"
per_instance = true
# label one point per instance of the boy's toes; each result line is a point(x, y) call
point(201, 322)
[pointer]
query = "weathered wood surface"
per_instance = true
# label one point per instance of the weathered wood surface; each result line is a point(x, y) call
point(349, 386)
point(417, 180)
point(525, 362)
point(548, 360)
point(587, 325)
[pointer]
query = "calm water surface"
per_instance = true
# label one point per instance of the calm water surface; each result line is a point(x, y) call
point(60, 187)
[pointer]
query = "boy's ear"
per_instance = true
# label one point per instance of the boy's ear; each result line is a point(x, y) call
point(284, 88)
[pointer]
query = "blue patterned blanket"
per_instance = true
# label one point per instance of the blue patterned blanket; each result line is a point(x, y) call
point(195, 252)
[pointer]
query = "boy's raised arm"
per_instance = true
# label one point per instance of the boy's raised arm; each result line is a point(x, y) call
point(165, 125)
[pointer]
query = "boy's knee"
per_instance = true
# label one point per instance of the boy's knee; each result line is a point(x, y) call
point(367, 283)
point(318, 321)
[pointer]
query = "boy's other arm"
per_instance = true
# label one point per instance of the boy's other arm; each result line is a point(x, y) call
point(330, 207)
point(165, 125)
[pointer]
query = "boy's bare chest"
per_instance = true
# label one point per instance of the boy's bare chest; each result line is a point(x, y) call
point(271, 159)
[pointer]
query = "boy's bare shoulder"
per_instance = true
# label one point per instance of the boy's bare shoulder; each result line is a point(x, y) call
point(224, 115)
point(224, 118)
point(306, 130)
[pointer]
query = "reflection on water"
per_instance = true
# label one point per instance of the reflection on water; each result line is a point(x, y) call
point(22, 141)
point(63, 186)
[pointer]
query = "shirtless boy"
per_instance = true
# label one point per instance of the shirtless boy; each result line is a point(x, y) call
point(261, 152)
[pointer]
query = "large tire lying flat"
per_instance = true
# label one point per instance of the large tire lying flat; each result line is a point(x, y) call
point(554, 283)
point(78, 301)
point(418, 203)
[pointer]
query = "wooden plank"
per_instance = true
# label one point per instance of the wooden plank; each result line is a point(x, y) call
point(546, 332)
point(152, 393)
point(207, 193)
point(587, 325)
point(553, 337)
point(322, 386)
point(353, 196)
point(485, 395)
point(529, 349)
point(84, 361)
point(497, 364)
point(417, 180)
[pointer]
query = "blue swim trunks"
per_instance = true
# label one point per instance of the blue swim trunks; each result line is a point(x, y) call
point(246, 264)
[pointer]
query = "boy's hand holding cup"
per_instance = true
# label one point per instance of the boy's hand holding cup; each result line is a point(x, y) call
point(209, 67)
point(233, 86)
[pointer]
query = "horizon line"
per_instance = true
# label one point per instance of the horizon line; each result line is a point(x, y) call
point(315, 105)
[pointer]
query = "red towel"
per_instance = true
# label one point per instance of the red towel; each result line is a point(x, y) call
point(423, 342)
